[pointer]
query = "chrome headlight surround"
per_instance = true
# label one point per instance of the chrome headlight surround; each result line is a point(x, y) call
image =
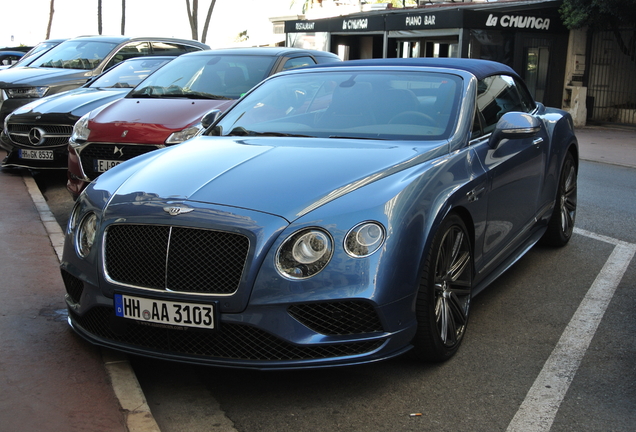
point(364, 239)
point(74, 217)
point(304, 254)
point(86, 235)
point(80, 129)
point(185, 134)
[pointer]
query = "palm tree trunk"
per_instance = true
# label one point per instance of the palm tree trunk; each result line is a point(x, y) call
point(207, 21)
point(48, 27)
point(192, 17)
point(99, 17)
point(123, 17)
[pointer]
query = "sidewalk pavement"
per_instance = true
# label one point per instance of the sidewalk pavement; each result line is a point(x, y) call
point(613, 145)
point(50, 379)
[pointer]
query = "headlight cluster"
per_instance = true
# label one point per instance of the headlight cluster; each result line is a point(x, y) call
point(306, 252)
point(185, 134)
point(364, 239)
point(86, 234)
point(26, 92)
point(81, 130)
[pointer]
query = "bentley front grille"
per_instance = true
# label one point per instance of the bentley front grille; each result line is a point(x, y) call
point(41, 135)
point(229, 341)
point(178, 259)
point(94, 152)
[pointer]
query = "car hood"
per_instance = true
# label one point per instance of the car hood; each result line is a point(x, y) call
point(27, 76)
point(74, 103)
point(287, 177)
point(149, 121)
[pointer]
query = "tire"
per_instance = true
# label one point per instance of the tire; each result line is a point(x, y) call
point(561, 223)
point(443, 298)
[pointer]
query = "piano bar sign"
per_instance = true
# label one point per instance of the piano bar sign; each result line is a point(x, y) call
point(518, 21)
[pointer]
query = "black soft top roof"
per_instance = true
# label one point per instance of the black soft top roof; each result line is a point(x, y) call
point(479, 68)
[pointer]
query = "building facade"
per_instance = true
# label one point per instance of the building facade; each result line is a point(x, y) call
point(528, 35)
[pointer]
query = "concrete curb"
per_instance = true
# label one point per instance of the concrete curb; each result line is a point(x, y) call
point(138, 417)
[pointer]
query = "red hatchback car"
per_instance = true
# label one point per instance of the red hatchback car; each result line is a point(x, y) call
point(167, 107)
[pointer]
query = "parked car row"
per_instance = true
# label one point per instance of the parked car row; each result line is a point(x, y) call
point(153, 112)
point(334, 214)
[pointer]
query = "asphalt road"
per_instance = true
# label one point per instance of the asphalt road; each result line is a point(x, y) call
point(530, 361)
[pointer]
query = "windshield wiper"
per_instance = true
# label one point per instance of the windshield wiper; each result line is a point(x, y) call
point(145, 96)
point(279, 134)
point(356, 137)
point(241, 131)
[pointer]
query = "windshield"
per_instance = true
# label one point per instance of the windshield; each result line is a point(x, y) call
point(75, 54)
point(343, 104)
point(34, 52)
point(129, 73)
point(206, 77)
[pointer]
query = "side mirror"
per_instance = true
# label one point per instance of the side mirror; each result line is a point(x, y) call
point(514, 125)
point(210, 117)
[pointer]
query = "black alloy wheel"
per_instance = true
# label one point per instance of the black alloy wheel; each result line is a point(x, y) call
point(561, 223)
point(443, 299)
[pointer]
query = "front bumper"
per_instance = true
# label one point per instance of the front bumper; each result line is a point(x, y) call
point(15, 159)
point(261, 337)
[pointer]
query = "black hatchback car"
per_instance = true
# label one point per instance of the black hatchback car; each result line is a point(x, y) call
point(72, 63)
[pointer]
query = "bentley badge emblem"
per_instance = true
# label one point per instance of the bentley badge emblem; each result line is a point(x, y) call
point(176, 210)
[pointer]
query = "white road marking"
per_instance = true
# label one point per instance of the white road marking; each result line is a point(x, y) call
point(538, 410)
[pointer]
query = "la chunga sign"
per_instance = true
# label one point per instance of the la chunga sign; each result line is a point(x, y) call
point(518, 21)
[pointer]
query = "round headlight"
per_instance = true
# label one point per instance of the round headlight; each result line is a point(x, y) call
point(86, 235)
point(364, 239)
point(304, 254)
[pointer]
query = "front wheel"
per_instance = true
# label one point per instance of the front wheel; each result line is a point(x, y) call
point(561, 223)
point(443, 298)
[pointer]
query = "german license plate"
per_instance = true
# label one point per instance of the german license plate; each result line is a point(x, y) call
point(165, 312)
point(103, 165)
point(36, 154)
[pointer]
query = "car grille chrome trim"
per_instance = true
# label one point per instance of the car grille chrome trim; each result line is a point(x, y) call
point(229, 341)
point(177, 259)
point(54, 135)
point(90, 152)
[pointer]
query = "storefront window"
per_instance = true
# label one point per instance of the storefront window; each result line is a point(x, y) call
point(492, 45)
point(318, 41)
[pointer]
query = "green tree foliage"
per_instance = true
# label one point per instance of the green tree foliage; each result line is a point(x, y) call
point(617, 16)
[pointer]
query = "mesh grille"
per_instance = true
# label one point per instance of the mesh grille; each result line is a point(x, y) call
point(231, 341)
point(19, 133)
point(122, 152)
point(74, 286)
point(179, 259)
point(338, 318)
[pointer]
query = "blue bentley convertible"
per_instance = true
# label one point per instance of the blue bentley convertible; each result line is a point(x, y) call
point(336, 215)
